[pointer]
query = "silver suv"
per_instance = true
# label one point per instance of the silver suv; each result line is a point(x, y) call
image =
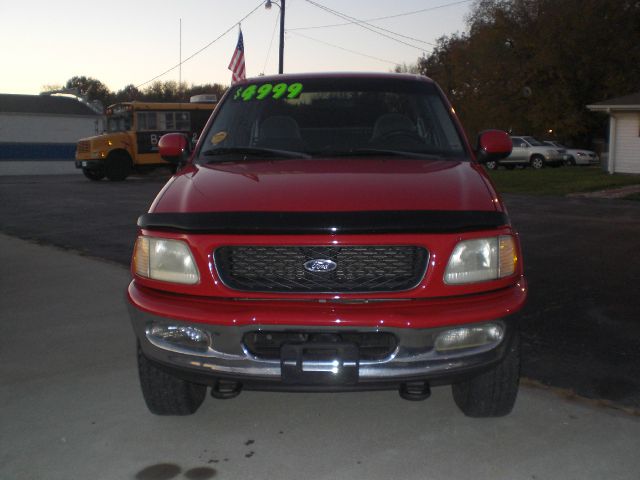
point(528, 151)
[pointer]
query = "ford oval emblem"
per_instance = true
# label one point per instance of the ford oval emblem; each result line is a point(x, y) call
point(320, 265)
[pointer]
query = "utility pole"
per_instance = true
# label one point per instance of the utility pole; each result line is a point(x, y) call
point(281, 6)
point(281, 62)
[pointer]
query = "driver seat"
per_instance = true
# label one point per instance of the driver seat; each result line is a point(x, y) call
point(392, 122)
point(280, 132)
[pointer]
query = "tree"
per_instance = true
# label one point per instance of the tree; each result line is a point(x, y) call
point(128, 94)
point(530, 66)
point(91, 88)
point(407, 68)
point(214, 88)
point(168, 91)
point(51, 87)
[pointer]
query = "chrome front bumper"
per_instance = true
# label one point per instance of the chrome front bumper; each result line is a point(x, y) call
point(414, 357)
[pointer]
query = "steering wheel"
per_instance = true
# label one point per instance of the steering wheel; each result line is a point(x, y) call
point(398, 135)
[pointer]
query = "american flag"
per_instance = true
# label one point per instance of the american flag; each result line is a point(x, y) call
point(237, 62)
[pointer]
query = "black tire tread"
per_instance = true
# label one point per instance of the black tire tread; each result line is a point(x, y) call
point(118, 166)
point(492, 393)
point(492, 165)
point(166, 394)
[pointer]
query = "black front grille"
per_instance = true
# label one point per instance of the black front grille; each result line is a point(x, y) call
point(84, 146)
point(366, 268)
point(371, 345)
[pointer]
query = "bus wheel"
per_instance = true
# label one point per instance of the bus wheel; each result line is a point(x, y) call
point(117, 166)
point(94, 175)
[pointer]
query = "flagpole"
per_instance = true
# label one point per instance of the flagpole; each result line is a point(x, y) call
point(180, 63)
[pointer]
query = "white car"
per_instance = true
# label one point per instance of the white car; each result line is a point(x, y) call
point(576, 156)
point(528, 152)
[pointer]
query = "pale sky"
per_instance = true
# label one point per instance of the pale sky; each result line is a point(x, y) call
point(121, 42)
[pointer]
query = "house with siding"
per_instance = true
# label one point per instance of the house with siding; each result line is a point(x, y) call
point(44, 127)
point(624, 132)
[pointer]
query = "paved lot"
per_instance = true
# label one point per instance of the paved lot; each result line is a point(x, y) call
point(72, 409)
point(582, 320)
point(581, 326)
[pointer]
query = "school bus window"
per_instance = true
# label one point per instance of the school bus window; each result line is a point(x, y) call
point(152, 120)
point(183, 121)
point(147, 121)
point(142, 120)
point(119, 122)
point(169, 121)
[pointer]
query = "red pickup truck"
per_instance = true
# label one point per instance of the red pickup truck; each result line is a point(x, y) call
point(329, 232)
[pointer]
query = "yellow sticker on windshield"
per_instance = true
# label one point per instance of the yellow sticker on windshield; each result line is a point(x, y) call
point(218, 138)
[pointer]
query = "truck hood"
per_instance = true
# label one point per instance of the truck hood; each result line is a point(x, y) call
point(328, 185)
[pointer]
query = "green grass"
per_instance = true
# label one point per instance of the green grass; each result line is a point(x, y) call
point(558, 181)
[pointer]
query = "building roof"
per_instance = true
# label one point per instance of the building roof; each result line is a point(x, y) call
point(45, 104)
point(626, 102)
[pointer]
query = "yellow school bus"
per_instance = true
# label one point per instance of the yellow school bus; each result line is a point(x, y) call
point(130, 143)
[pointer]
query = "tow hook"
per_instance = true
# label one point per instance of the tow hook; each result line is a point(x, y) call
point(226, 389)
point(415, 391)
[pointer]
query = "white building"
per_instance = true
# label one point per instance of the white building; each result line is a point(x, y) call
point(44, 127)
point(624, 132)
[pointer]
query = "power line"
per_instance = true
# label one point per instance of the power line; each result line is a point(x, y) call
point(371, 28)
point(205, 47)
point(342, 48)
point(414, 12)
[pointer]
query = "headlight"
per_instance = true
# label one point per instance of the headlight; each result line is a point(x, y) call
point(481, 259)
point(164, 259)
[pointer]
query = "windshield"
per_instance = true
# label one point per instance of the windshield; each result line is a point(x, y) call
point(120, 122)
point(533, 142)
point(333, 117)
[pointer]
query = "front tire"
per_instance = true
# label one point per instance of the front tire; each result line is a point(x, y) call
point(166, 394)
point(492, 393)
point(491, 165)
point(537, 162)
point(117, 166)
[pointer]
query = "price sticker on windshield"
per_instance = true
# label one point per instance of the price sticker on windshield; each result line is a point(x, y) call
point(268, 91)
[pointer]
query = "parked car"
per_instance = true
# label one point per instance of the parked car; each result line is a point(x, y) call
point(330, 232)
point(528, 151)
point(576, 156)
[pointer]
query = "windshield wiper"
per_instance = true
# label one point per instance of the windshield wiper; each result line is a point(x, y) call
point(254, 152)
point(362, 152)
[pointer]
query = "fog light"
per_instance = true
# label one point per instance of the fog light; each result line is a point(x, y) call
point(469, 337)
point(179, 338)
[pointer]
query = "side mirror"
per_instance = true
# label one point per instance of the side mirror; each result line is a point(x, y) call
point(493, 145)
point(174, 148)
